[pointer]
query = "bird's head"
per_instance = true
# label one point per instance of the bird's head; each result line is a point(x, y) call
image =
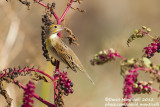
point(55, 28)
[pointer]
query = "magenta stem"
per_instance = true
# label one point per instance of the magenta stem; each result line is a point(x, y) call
point(36, 96)
point(28, 70)
point(146, 69)
point(53, 79)
point(55, 15)
point(121, 57)
point(156, 90)
point(39, 2)
point(55, 83)
point(59, 21)
point(65, 12)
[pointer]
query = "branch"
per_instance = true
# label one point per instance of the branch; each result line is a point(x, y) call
point(39, 2)
point(63, 15)
point(35, 95)
point(29, 69)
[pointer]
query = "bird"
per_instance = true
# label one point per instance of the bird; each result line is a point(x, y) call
point(61, 52)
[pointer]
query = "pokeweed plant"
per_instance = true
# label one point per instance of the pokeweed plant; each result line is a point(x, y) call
point(62, 83)
point(130, 68)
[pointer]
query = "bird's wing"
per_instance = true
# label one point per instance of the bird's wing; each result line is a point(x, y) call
point(69, 57)
point(65, 53)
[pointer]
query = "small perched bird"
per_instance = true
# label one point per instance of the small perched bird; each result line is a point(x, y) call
point(61, 52)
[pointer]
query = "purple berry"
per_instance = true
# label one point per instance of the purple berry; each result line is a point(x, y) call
point(71, 84)
point(68, 80)
point(10, 69)
point(12, 76)
point(158, 50)
point(62, 87)
point(71, 91)
point(66, 94)
point(66, 89)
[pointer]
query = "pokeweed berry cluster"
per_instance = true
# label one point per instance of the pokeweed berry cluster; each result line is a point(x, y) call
point(142, 87)
point(129, 81)
point(12, 73)
point(65, 82)
point(28, 95)
point(47, 22)
point(9, 75)
point(138, 33)
point(152, 48)
point(104, 57)
point(130, 71)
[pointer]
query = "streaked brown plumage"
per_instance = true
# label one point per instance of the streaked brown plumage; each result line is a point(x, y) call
point(60, 51)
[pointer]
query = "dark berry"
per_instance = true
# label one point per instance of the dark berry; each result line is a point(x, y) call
point(124, 105)
point(23, 2)
point(62, 87)
point(68, 80)
point(52, 12)
point(71, 91)
point(10, 69)
point(15, 72)
point(158, 50)
point(152, 54)
point(43, 40)
point(53, 4)
point(56, 75)
point(43, 33)
point(148, 57)
point(61, 83)
point(45, 54)
point(42, 27)
point(43, 48)
point(66, 89)
point(45, 16)
point(43, 20)
point(71, 84)
point(49, 23)
point(28, 3)
point(12, 76)
point(66, 94)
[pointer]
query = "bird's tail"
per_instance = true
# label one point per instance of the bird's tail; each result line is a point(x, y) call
point(88, 77)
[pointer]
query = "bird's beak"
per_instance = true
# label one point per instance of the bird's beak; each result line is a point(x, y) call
point(61, 28)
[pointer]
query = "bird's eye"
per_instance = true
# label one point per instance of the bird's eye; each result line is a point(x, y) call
point(55, 26)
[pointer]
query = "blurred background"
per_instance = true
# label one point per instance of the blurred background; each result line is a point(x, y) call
point(106, 24)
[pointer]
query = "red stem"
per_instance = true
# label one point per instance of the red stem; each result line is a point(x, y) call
point(121, 57)
point(36, 96)
point(55, 83)
point(146, 69)
point(156, 90)
point(59, 21)
point(65, 12)
point(29, 70)
point(39, 2)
